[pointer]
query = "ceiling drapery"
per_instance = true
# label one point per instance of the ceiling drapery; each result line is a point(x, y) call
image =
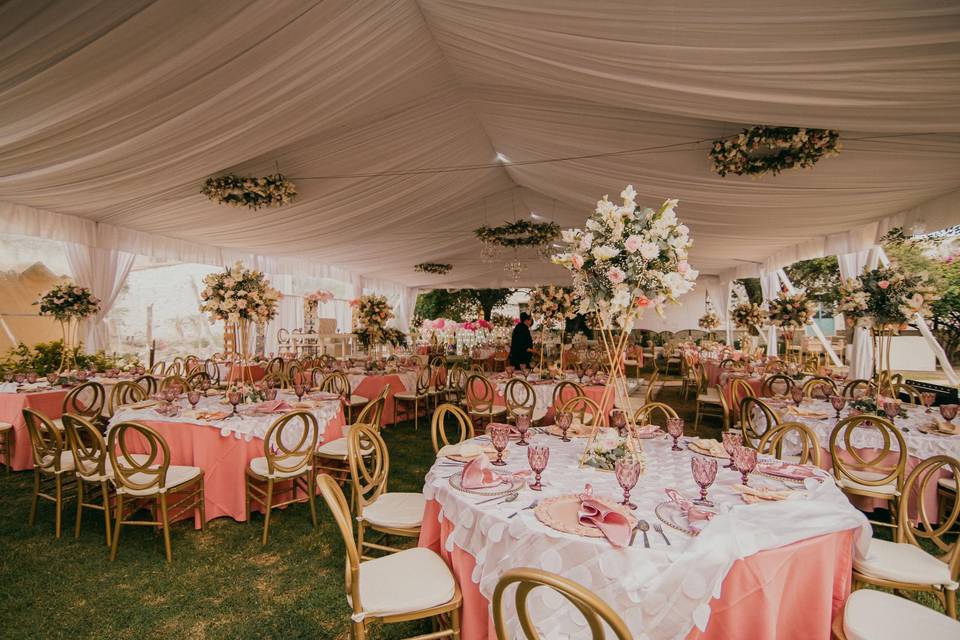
point(116, 113)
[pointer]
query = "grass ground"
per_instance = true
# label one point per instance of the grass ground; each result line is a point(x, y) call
point(221, 584)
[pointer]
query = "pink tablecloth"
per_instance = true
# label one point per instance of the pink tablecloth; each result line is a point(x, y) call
point(224, 460)
point(246, 373)
point(50, 403)
point(781, 594)
point(727, 390)
point(372, 385)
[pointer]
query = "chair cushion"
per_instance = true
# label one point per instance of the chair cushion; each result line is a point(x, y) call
point(902, 562)
point(889, 489)
point(87, 470)
point(66, 461)
point(494, 410)
point(5, 426)
point(409, 396)
point(259, 466)
point(404, 582)
point(396, 510)
point(875, 615)
point(176, 476)
point(356, 400)
point(711, 396)
point(948, 483)
point(338, 449)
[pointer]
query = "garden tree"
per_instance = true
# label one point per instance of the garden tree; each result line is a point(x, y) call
point(819, 277)
point(460, 304)
point(752, 287)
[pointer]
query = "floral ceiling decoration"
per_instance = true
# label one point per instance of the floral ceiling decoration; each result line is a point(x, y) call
point(435, 268)
point(246, 191)
point(760, 150)
point(522, 233)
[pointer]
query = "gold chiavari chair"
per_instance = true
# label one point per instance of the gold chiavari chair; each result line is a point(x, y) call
point(141, 479)
point(653, 388)
point(53, 464)
point(376, 509)
point(859, 387)
point(87, 400)
point(197, 379)
point(565, 390)
point(756, 419)
point(288, 454)
point(174, 380)
point(819, 387)
point(778, 384)
point(924, 556)
point(876, 615)
point(878, 474)
point(903, 389)
point(438, 426)
point(212, 369)
point(125, 392)
point(586, 410)
point(339, 384)
point(148, 383)
point(477, 369)
point(294, 374)
point(710, 401)
point(158, 368)
point(644, 415)
point(438, 381)
point(740, 389)
point(191, 364)
point(331, 457)
point(773, 442)
point(775, 366)
point(176, 368)
point(455, 384)
point(428, 588)
point(521, 399)
point(326, 361)
point(275, 367)
point(480, 397)
point(729, 363)
point(597, 613)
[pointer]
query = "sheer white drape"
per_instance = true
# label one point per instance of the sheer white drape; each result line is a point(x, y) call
point(770, 288)
point(727, 298)
point(104, 271)
point(861, 349)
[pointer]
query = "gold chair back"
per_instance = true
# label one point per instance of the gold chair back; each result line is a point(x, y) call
point(337, 503)
point(87, 445)
point(176, 367)
point(859, 387)
point(158, 368)
point(290, 441)
point(191, 364)
point(729, 363)
point(644, 415)
point(756, 418)
point(369, 462)
point(586, 410)
point(438, 427)
point(520, 398)
point(138, 473)
point(197, 379)
point(295, 374)
point(148, 383)
point(564, 391)
point(913, 395)
point(174, 380)
point(125, 392)
point(648, 397)
point(776, 384)
point(456, 381)
point(87, 400)
point(773, 440)
point(337, 383)
point(275, 367)
point(596, 612)
point(926, 535)
point(372, 412)
point(46, 441)
point(740, 389)
point(480, 394)
point(424, 380)
point(819, 387)
point(871, 468)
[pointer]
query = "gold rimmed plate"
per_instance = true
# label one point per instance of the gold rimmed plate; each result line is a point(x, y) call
point(670, 514)
point(511, 485)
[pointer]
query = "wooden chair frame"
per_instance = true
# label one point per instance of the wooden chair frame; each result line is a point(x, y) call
point(438, 426)
point(580, 406)
point(773, 440)
point(558, 399)
point(47, 444)
point(482, 404)
point(520, 399)
point(643, 414)
point(751, 435)
point(811, 386)
point(90, 456)
point(125, 392)
point(766, 388)
point(422, 392)
point(75, 403)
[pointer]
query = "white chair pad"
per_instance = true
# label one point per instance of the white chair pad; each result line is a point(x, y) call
point(711, 396)
point(176, 476)
point(338, 449)
point(409, 396)
point(358, 400)
point(396, 510)
point(5, 426)
point(66, 461)
point(903, 563)
point(404, 582)
point(494, 410)
point(87, 470)
point(260, 467)
point(948, 483)
point(889, 489)
point(875, 615)
point(538, 413)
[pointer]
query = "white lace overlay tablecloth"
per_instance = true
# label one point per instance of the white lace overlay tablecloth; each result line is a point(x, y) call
point(661, 592)
point(248, 426)
point(919, 445)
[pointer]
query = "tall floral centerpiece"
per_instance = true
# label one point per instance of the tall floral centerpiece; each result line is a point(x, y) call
point(709, 321)
point(311, 303)
point(750, 316)
point(373, 312)
point(69, 304)
point(626, 259)
point(551, 306)
point(791, 311)
point(884, 300)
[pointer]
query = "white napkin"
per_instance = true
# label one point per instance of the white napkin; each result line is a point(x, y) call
point(466, 449)
point(8, 387)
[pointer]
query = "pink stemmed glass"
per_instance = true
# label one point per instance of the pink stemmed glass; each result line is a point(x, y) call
point(745, 461)
point(891, 408)
point(19, 378)
point(675, 429)
point(628, 471)
point(299, 390)
point(948, 411)
point(838, 403)
point(499, 436)
point(796, 394)
point(205, 386)
point(8, 377)
point(52, 378)
point(234, 398)
point(928, 398)
point(564, 420)
point(510, 369)
point(193, 397)
point(523, 425)
point(732, 440)
point(704, 473)
point(618, 420)
point(31, 377)
point(538, 456)
point(270, 394)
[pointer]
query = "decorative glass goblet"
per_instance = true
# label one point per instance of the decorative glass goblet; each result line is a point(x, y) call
point(564, 420)
point(675, 429)
point(891, 409)
point(193, 397)
point(82, 375)
point(732, 440)
point(499, 436)
point(928, 398)
point(618, 421)
point(299, 390)
point(838, 403)
point(52, 378)
point(205, 386)
point(537, 455)
point(510, 369)
point(523, 425)
point(745, 461)
point(796, 394)
point(31, 377)
point(948, 411)
point(628, 470)
point(270, 394)
point(234, 398)
point(704, 473)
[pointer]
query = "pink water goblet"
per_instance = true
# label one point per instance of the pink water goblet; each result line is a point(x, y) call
point(948, 411)
point(270, 394)
point(234, 398)
point(731, 441)
point(838, 403)
point(745, 461)
point(523, 425)
point(193, 397)
point(891, 409)
point(627, 470)
point(499, 437)
point(928, 398)
point(205, 386)
point(675, 430)
point(618, 421)
point(52, 378)
point(31, 377)
point(299, 390)
point(796, 394)
point(8, 377)
point(704, 473)
point(564, 420)
point(537, 455)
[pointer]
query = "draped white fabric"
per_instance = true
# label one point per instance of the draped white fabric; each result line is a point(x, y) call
point(103, 271)
point(770, 288)
point(861, 352)
point(117, 112)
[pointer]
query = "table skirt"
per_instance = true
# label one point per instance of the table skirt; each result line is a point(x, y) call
point(49, 403)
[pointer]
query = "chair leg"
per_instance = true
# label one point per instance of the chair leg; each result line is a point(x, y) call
point(311, 494)
point(696, 420)
point(950, 600)
point(76, 531)
point(416, 414)
point(59, 495)
point(269, 507)
point(105, 493)
point(165, 523)
point(455, 623)
point(36, 498)
point(118, 523)
point(358, 631)
point(202, 504)
point(246, 499)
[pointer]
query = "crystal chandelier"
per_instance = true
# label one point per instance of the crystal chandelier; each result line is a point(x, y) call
point(489, 252)
point(515, 267)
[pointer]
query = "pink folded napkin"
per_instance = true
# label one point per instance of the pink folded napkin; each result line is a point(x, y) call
point(785, 470)
point(612, 524)
point(690, 511)
point(479, 474)
point(271, 406)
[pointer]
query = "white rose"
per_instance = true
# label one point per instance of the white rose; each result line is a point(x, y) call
point(570, 236)
point(605, 252)
point(649, 250)
point(586, 242)
point(629, 196)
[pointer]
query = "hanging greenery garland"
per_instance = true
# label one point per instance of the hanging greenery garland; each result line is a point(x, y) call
point(248, 191)
point(436, 268)
point(522, 233)
point(791, 148)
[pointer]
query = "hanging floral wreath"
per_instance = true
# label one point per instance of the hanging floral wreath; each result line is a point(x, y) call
point(252, 192)
point(67, 300)
point(791, 311)
point(885, 297)
point(749, 315)
point(238, 294)
point(522, 233)
point(552, 304)
point(791, 148)
point(709, 321)
point(436, 268)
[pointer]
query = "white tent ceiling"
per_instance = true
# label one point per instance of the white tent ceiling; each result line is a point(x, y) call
point(116, 112)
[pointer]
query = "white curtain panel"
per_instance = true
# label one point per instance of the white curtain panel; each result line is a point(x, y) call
point(861, 351)
point(770, 288)
point(103, 271)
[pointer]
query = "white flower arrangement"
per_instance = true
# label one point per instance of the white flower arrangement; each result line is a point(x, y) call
point(791, 311)
point(373, 313)
point(252, 192)
point(885, 297)
point(791, 148)
point(319, 296)
point(239, 294)
point(628, 258)
point(608, 447)
point(552, 304)
point(709, 321)
point(749, 315)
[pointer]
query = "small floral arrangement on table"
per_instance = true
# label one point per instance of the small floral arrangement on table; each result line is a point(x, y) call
point(319, 296)
point(238, 293)
point(791, 310)
point(791, 147)
point(628, 258)
point(749, 315)
point(66, 301)
point(709, 321)
point(885, 297)
point(552, 304)
point(607, 448)
point(868, 405)
point(252, 192)
point(435, 268)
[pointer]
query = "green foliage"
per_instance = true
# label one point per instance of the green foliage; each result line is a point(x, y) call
point(819, 277)
point(45, 357)
point(752, 286)
point(459, 304)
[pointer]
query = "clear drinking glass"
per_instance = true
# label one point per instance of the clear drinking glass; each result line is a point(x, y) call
point(537, 455)
point(564, 420)
point(628, 470)
point(499, 436)
point(928, 398)
point(745, 461)
point(731, 441)
point(675, 429)
point(523, 425)
point(838, 403)
point(704, 473)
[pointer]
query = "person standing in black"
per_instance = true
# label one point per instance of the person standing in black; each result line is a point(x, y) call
point(521, 342)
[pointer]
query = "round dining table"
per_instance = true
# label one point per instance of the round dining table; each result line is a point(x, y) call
point(39, 397)
point(773, 569)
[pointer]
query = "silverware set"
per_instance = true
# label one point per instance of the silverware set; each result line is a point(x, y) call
point(643, 527)
point(532, 505)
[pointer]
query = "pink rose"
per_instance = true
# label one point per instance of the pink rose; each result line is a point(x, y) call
point(643, 301)
point(633, 244)
point(683, 267)
point(883, 284)
point(615, 275)
point(577, 261)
